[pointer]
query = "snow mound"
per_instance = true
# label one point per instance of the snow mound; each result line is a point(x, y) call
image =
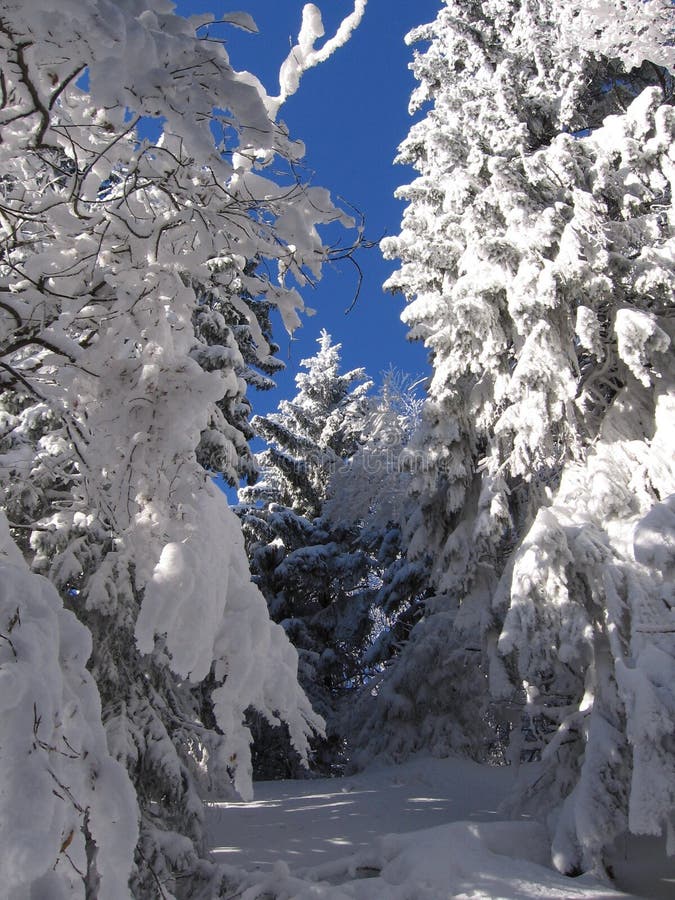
point(66, 807)
point(462, 860)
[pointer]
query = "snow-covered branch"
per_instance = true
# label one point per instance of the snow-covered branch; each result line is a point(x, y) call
point(304, 56)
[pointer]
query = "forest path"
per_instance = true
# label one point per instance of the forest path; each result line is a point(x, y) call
point(449, 840)
point(310, 822)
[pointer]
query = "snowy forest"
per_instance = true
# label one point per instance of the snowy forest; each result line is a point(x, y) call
point(469, 578)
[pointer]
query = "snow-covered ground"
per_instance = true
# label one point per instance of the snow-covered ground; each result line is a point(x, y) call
point(424, 830)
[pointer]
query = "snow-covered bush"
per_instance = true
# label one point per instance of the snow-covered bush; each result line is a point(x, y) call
point(68, 812)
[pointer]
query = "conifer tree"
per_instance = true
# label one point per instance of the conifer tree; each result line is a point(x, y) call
point(370, 493)
point(234, 334)
point(310, 436)
point(313, 574)
point(537, 255)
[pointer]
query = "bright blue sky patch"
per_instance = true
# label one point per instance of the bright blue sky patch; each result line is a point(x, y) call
point(351, 113)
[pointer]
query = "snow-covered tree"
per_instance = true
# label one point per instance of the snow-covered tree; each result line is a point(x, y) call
point(234, 336)
point(312, 573)
point(371, 487)
point(127, 264)
point(339, 582)
point(370, 493)
point(537, 255)
point(311, 436)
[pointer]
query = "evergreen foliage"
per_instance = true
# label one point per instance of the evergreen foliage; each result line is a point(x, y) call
point(537, 255)
point(340, 582)
point(314, 575)
point(234, 335)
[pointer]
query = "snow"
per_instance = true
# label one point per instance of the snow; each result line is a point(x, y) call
point(654, 538)
point(550, 516)
point(303, 55)
point(608, 22)
point(422, 830)
point(57, 779)
point(241, 20)
point(638, 337)
point(317, 820)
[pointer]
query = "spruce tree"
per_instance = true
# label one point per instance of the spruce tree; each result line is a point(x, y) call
point(537, 255)
point(234, 336)
point(313, 573)
point(370, 494)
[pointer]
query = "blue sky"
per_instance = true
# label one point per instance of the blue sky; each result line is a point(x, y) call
point(351, 112)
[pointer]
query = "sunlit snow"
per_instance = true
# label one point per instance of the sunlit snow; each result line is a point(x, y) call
point(424, 830)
